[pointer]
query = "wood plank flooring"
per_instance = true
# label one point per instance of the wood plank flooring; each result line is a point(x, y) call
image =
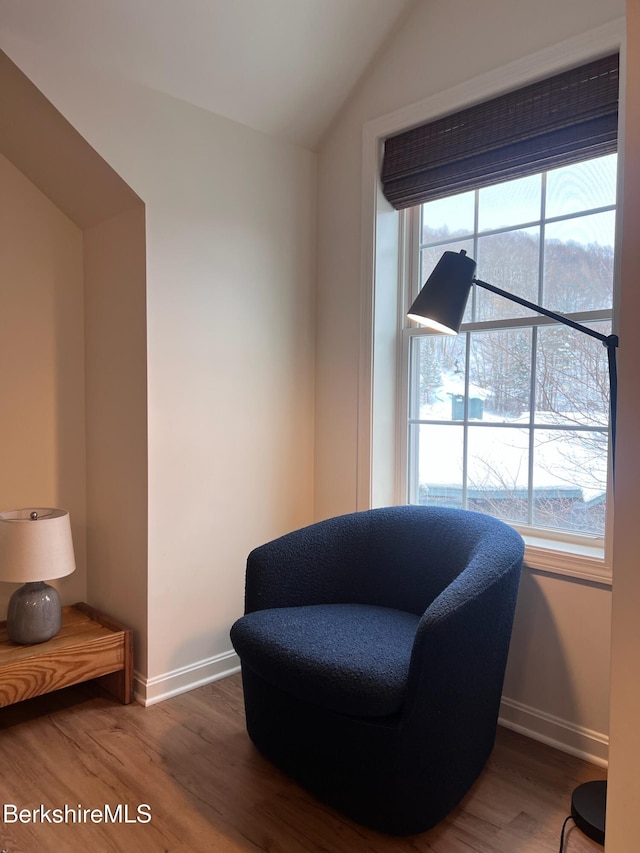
point(189, 765)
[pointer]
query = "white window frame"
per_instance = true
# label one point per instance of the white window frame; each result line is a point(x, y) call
point(384, 281)
point(565, 541)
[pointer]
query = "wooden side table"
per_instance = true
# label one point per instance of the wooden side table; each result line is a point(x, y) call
point(89, 645)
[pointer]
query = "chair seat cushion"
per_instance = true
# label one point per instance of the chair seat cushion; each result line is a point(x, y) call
point(350, 658)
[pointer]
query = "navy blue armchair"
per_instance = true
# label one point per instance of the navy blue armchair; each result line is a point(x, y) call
point(373, 651)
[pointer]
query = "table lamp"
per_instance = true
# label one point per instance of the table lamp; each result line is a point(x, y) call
point(35, 546)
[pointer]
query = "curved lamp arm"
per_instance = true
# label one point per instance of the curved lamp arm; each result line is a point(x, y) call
point(609, 341)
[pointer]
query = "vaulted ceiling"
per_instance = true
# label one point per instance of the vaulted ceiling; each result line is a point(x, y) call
point(284, 67)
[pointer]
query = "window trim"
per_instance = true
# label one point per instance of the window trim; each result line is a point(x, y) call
point(377, 430)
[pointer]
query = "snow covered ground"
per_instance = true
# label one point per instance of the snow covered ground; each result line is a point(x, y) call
point(566, 462)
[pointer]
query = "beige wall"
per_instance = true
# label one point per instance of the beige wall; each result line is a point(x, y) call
point(116, 415)
point(42, 452)
point(557, 679)
point(624, 779)
point(230, 369)
point(230, 220)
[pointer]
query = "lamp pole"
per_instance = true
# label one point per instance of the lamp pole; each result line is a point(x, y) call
point(440, 305)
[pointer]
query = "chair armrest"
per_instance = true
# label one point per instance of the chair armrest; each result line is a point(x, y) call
point(460, 650)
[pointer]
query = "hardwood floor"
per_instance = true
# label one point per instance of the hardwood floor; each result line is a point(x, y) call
point(189, 765)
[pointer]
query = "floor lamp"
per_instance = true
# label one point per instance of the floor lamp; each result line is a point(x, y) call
point(440, 306)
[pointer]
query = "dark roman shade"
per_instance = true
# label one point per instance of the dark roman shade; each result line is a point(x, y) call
point(570, 117)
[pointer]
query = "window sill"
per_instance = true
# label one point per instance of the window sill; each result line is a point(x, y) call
point(568, 559)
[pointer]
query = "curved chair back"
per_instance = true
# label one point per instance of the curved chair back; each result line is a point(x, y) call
point(400, 557)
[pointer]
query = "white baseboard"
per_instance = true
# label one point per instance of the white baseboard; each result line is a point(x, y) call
point(563, 735)
point(148, 691)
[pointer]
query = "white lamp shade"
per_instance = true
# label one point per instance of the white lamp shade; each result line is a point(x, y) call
point(35, 550)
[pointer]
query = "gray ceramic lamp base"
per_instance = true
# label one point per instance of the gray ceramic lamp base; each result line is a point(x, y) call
point(34, 614)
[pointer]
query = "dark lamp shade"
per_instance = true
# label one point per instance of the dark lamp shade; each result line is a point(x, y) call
point(441, 302)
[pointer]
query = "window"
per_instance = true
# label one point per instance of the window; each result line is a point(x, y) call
point(511, 416)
